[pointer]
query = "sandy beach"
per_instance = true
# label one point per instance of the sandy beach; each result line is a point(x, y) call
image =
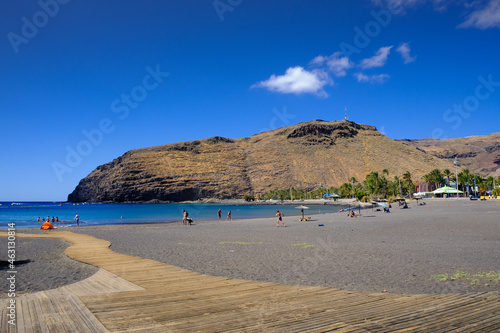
point(445, 246)
point(42, 264)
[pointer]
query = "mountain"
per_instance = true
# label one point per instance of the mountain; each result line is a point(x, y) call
point(480, 154)
point(305, 155)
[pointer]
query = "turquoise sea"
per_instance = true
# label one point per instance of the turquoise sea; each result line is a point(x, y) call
point(25, 214)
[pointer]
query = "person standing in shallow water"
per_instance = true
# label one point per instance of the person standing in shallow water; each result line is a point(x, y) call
point(219, 213)
point(77, 219)
point(184, 218)
point(229, 216)
point(280, 218)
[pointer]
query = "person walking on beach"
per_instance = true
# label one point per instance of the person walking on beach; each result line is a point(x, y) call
point(184, 218)
point(280, 218)
point(229, 216)
point(219, 212)
point(77, 219)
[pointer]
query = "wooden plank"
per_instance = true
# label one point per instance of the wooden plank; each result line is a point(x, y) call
point(86, 318)
point(24, 319)
point(63, 311)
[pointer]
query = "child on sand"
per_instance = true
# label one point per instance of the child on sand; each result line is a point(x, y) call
point(280, 218)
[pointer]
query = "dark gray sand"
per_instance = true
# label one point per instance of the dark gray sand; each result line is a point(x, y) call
point(42, 265)
point(407, 251)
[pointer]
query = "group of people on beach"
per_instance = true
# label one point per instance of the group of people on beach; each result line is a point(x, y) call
point(56, 219)
point(187, 220)
point(228, 218)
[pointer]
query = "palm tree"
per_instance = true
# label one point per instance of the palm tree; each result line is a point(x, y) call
point(478, 180)
point(407, 176)
point(447, 174)
point(465, 177)
point(345, 190)
point(374, 184)
point(408, 183)
point(353, 180)
point(435, 177)
point(483, 187)
point(490, 180)
point(393, 186)
point(426, 179)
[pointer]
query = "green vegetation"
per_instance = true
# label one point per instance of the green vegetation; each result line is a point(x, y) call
point(459, 274)
point(374, 186)
point(240, 243)
point(379, 185)
point(477, 279)
point(295, 194)
point(304, 245)
point(249, 197)
point(466, 180)
point(440, 277)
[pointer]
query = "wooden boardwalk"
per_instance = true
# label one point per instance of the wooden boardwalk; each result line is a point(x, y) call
point(139, 295)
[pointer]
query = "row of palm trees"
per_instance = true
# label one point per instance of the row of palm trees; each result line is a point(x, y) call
point(374, 185)
point(293, 193)
point(380, 185)
point(466, 181)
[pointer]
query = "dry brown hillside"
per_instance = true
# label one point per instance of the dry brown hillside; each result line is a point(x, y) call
point(480, 154)
point(305, 155)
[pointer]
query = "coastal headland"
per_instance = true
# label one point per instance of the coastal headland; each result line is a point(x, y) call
point(305, 156)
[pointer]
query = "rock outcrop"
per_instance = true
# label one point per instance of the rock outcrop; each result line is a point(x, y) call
point(480, 154)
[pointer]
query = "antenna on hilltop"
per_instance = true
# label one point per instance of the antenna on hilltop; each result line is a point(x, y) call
point(346, 117)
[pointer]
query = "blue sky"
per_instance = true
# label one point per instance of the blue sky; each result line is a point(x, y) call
point(85, 81)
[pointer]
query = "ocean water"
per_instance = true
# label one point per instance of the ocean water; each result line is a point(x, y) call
point(25, 214)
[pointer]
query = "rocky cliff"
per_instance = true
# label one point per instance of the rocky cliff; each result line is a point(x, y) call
point(305, 155)
point(480, 154)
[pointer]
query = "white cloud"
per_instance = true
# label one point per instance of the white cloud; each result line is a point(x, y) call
point(297, 80)
point(484, 18)
point(377, 78)
point(404, 50)
point(319, 60)
point(487, 16)
point(378, 60)
point(336, 63)
point(382, 130)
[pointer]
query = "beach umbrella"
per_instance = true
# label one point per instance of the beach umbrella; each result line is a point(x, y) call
point(447, 189)
point(302, 207)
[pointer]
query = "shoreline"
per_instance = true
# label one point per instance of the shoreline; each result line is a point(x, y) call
point(102, 214)
point(406, 251)
point(228, 202)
